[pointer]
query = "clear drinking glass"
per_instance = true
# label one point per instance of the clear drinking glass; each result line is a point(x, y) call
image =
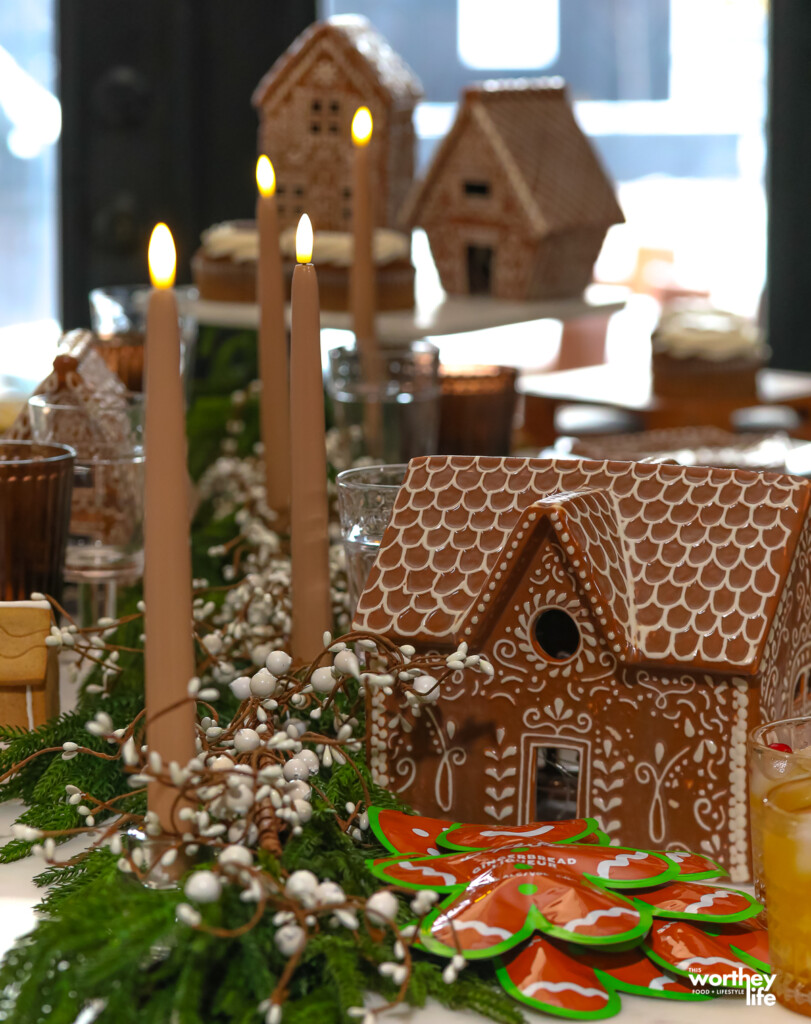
point(366, 498)
point(35, 488)
point(118, 318)
point(107, 510)
point(767, 769)
point(388, 399)
point(787, 869)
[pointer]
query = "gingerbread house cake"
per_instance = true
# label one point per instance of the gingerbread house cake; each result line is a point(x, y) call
point(641, 618)
point(306, 103)
point(515, 203)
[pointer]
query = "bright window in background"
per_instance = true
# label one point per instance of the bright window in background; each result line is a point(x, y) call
point(672, 93)
point(30, 125)
point(523, 35)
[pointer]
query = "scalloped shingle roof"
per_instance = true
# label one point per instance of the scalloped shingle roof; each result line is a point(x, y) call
point(689, 562)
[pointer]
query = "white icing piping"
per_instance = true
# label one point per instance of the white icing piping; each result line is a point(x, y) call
point(425, 869)
point(595, 915)
point(622, 860)
point(563, 986)
point(485, 930)
point(706, 901)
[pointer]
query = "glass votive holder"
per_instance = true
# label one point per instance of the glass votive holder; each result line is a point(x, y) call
point(118, 318)
point(107, 509)
point(35, 490)
point(769, 767)
point(477, 410)
point(386, 403)
point(787, 871)
point(366, 497)
point(149, 854)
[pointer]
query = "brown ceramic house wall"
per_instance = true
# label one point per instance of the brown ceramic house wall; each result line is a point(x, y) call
point(787, 654)
point(563, 263)
point(400, 162)
point(654, 746)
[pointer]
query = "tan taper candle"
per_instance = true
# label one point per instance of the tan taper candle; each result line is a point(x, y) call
point(274, 370)
point(169, 653)
point(309, 545)
point(362, 285)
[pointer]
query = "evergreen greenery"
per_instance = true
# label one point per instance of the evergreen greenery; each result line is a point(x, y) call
point(106, 937)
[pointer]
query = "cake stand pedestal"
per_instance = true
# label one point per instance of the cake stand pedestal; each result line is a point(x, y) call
point(438, 316)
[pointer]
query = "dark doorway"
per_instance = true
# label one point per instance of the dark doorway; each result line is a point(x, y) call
point(479, 269)
point(557, 781)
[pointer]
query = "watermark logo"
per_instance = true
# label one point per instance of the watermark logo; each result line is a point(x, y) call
point(756, 987)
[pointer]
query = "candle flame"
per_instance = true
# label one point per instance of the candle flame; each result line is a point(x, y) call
point(304, 239)
point(162, 257)
point(265, 176)
point(362, 126)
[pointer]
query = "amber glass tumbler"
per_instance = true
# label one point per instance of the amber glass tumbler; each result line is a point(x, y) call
point(477, 409)
point(36, 481)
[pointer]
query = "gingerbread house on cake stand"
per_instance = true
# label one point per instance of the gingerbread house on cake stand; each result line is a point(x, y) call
point(306, 103)
point(641, 618)
point(515, 203)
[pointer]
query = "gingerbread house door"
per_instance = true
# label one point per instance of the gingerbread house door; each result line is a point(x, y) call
point(480, 269)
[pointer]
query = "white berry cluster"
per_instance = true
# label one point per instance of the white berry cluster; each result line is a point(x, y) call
point(250, 786)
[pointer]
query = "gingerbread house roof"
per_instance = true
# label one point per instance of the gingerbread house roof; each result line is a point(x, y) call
point(683, 565)
point(693, 446)
point(358, 44)
point(547, 158)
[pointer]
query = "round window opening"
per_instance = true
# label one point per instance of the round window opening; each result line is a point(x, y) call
point(556, 634)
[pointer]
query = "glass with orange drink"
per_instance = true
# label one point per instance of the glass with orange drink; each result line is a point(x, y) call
point(786, 821)
point(777, 752)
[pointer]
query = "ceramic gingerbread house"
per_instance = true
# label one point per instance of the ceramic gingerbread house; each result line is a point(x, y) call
point(641, 618)
point(306, 103)
point(515, 203)
point(29, 671)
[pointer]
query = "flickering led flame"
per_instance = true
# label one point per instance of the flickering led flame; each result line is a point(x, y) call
point(265, 176)
point(304, 239)
point(362, 126)
point(162, 257)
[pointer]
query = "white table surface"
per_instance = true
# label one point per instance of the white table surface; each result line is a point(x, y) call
point(18, 894)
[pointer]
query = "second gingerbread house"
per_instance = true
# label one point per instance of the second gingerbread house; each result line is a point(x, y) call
point(641, 619)
point(515, 203)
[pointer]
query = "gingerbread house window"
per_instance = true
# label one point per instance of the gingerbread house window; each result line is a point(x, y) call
point(333, 117)
point(556, 634)
point(316, 115)
point(325, 116)
point(476, 188)
point(290, 199)
point(557, 783)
